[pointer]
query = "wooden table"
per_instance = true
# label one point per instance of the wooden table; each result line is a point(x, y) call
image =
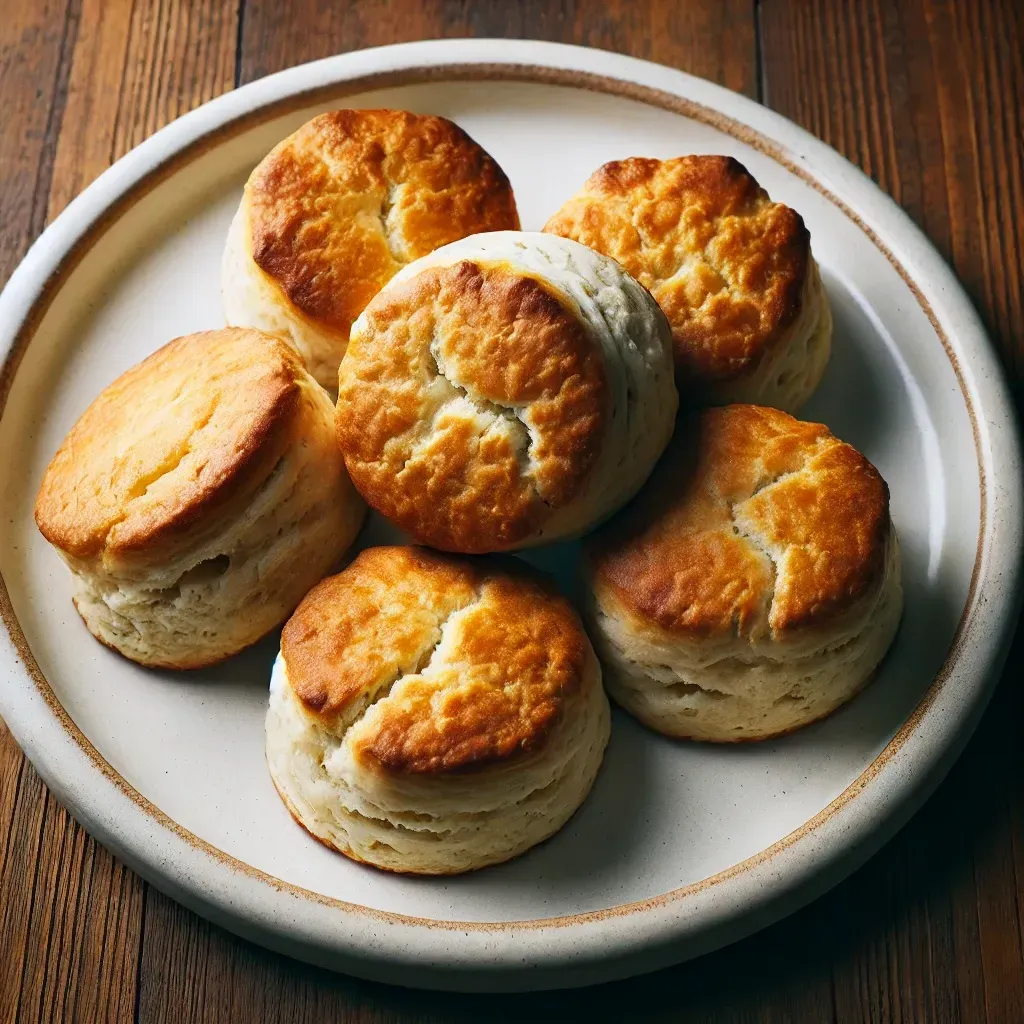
point(928, 97)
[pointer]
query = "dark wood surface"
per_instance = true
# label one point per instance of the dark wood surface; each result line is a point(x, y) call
point(928, 97)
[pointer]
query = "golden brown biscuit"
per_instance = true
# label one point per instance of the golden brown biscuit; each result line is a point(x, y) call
point(330, 215)
point(732, 270)
point(754, 584)
point(508, 389)
point(433, 715)
point(198, 498)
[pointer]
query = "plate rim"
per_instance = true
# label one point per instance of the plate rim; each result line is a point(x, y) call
point(823, 855)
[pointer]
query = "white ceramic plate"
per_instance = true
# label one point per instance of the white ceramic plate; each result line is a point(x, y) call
point(681, 847)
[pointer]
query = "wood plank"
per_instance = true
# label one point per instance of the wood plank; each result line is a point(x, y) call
point(70, 916)
point(22, 808)
point(181, 53)
point(715, 40)
point(81, 953)
point(927, 98)
point(85, 142)
point(138, 65)
point(36, 37)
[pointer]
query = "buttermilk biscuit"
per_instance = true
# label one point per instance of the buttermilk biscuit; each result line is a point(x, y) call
point(337, 208)
point(755, 584)
point(506, 390)
point(198, 498)
point(432, 714)
point(732, 270)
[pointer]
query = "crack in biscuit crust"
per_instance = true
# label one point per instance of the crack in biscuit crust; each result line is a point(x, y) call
point(471, 404)
point(427, 663)
point(754, 524)
point(726, 264)
point(433, 715)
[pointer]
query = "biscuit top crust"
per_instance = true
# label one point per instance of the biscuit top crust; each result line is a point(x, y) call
point(433, 663)
point(342, 204)
point(752, 522)
point(472, 403)
point(727, 265)
point(198, 424)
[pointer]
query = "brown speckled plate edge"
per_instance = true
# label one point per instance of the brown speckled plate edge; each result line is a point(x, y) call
point(70, 238)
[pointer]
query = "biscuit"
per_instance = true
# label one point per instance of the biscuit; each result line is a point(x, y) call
point(432, 714)
point(506, 390)
point(732, 270)
point(337, 208)
point(753, 587)
point(198, 498)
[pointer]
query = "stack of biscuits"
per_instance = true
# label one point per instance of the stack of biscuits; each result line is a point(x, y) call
point(628, 376)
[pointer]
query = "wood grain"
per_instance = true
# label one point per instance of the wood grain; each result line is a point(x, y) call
point(711, 38)
point(926, 96)
point(137, 65)
point(36, 39)
point(85, 142)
